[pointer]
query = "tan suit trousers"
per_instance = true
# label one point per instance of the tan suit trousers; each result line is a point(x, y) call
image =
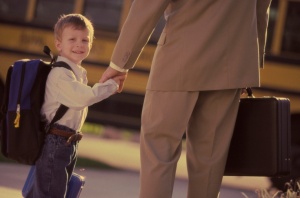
point(208, 117)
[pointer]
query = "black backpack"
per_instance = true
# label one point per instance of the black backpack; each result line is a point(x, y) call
point(22, 128)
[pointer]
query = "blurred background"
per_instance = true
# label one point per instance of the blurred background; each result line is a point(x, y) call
point(27, 26)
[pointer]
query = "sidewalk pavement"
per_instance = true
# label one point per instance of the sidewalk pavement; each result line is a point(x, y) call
point(124, 181)
point(125, 155)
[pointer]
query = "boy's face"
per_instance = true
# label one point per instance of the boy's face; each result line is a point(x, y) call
point(74, 44)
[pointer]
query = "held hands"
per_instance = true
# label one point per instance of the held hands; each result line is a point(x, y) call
point(120, 81)
point(117, 76)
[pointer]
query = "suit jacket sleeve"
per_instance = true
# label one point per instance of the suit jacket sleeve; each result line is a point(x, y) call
point(262, 12)
point(136, 31)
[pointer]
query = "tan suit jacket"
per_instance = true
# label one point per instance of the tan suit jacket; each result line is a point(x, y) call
point(205, 45)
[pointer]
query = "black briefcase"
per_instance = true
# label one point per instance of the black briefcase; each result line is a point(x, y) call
point(261, 142)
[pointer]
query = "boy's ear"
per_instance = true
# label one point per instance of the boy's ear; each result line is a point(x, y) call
point(58, 45)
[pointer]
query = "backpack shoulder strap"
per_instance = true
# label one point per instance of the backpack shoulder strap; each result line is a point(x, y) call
point(62, 64)
point(62, 109)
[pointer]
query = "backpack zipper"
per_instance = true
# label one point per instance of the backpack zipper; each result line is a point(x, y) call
point(18, 115)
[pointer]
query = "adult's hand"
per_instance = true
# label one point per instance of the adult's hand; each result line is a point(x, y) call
point(112, 73)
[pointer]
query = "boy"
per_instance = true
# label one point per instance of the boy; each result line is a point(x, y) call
point(74, 35)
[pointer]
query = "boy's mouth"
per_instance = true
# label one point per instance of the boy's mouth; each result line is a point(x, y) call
point(78, 52)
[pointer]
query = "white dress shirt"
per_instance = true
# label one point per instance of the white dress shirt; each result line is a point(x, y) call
point(71, 89)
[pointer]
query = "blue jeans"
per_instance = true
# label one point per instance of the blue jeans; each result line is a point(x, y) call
point(54, 167)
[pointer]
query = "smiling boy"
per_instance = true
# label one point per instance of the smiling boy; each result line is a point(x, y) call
point(74, 35)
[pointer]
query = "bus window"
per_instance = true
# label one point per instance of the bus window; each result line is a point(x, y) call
point(291, 35)
point(13, 9)
point(104, 14)
point(48, 11)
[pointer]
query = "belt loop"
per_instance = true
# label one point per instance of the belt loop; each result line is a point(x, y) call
point(74, 138)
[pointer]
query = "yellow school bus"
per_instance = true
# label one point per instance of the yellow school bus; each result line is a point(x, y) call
point(27, 25)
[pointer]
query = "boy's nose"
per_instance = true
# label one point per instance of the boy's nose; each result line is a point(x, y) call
point(78, 44)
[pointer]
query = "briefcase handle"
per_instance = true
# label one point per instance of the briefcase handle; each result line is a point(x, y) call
point(249, 92)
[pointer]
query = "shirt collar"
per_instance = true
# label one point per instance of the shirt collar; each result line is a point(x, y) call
point(79, 71)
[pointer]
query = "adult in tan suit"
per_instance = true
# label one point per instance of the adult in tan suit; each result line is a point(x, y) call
point(207, 52)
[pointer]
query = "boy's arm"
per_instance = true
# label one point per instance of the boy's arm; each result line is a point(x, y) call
point(75, 94)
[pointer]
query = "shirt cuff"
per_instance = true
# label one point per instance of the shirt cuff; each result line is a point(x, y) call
point(114, 66)
point(114, 83)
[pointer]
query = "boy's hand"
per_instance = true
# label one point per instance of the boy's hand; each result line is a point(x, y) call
point(119, 77)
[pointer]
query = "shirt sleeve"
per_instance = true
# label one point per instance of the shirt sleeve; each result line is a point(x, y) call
point(77, 95)
point(142, 18)
point(116, 67)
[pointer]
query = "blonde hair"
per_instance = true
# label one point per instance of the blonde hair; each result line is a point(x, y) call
point(77, 21)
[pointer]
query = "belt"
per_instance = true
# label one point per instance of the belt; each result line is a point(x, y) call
point(71, 137)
